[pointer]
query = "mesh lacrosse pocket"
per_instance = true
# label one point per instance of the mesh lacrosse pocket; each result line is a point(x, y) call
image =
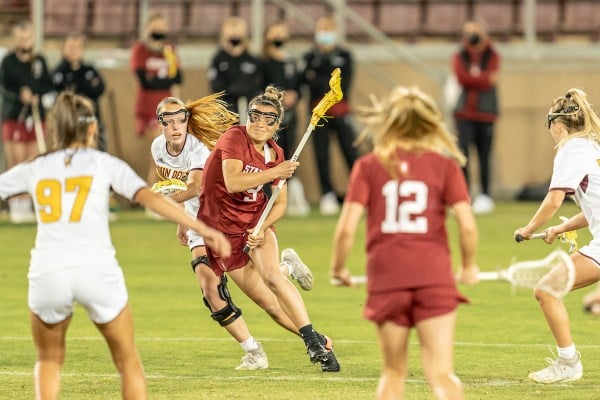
point(554, 274)
point(168, 186)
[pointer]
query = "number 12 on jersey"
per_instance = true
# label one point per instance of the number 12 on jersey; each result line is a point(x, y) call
point(404, 216)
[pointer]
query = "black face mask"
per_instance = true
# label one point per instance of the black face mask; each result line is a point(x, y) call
point(474, 39)
point(158, 36)
point(278, 43)
point(235, 41)
point(24, 50)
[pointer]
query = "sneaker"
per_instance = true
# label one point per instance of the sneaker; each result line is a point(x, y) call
point(331, 364)
point(317, 352)
point(483, 204)
point(592, 308)
point(329, 204)
point(300, 272)
point(560, 370)
point(253, 360)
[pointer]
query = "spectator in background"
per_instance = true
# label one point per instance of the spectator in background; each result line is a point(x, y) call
point(476, 67)
point(72, 73)
point(316, 73)
point(233, 69)
point(159, 75)
point(280, 70)
point(25, 83)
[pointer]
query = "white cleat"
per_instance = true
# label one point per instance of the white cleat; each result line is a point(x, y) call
point(329, 204)
point(560, 370)
point(253, 360)
point(483, 204)
point(300, 272)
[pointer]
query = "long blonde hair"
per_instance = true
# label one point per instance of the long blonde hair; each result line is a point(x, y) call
point(406, 119)
point(576, 113)
point(209, 117)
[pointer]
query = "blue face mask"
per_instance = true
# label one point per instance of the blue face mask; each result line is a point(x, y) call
point(325, 38)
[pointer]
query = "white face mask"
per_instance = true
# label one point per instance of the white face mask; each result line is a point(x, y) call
point(326, 38)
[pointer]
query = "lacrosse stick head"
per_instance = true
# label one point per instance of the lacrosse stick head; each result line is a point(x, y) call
point(569, 237)
point(554, 274)
point(168, 186)
point(333, 96)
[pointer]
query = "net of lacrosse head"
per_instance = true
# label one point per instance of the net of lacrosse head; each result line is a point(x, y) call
point(169, 186)
point(569, 238)
point(554, 274)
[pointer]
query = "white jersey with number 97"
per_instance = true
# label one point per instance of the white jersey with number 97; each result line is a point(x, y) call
point(70, 190)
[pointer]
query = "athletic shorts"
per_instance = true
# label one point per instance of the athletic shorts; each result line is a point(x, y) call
point(19, 131)
point(410, 306)
point(592, 251)
point(194, 240)
point(144, 122)
point(237, 260)
point(100, 289)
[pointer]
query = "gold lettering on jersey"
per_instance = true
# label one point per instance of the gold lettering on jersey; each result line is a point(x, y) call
point(598, 162)
point(170, 173)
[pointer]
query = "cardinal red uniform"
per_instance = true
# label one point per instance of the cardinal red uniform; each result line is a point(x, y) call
point(233, 213)
point(407, 245)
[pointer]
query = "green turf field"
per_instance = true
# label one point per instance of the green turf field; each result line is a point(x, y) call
point(501, 336)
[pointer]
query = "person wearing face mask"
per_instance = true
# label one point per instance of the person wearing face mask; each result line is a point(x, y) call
point(158, 73)
point(476, 66)
point(317, 65)
point(281, 70)
point(74, 74)
point(233, 69)
point(24, 83)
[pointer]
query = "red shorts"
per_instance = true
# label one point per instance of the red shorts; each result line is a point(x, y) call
point(145, 122)
point(411, 306)
point(237, 260)
point(19, 131)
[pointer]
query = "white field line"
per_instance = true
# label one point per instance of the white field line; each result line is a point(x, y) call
point(337, 341)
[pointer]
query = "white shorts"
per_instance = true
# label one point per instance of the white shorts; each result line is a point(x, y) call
point(100, 289)
point(194, 240)
point(592, 251)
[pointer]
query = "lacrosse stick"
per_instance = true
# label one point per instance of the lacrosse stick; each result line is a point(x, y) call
point(168, 186)
point(536, 273)
point(37, 127)
point(355, 280)
point(569, 237)
point(333, 96)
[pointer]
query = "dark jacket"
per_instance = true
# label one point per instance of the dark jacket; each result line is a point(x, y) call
point(85, 81)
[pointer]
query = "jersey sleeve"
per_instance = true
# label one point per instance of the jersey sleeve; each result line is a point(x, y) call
point(137, 59)
point(124, 180)
point(15, 180)
point(199, 156)
point(566, 175)
point(232, 146)
point(358, 184)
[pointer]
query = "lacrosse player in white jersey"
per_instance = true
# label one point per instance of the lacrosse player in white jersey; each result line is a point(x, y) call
point(73, 259)
point(189, 133)
point(575, 128)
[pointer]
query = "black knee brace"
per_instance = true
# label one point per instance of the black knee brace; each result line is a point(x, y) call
point(200, 260)
point(230, 312)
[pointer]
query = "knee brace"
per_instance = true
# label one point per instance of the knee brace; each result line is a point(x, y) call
point(230, 312)
point(200, 260)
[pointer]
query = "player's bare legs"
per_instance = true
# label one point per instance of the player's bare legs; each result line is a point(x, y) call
point(119, 336)
point(250, 282)
point(266, 261)
point(393, 342)
point(436, 336)
point(49, 342)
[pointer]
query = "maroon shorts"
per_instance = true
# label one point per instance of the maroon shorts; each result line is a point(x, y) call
point(237, 260)
point(18, 131)
point(410, 306)
point(144, 122)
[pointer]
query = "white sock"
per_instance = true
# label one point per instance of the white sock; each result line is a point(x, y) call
point(249, 344)
point(288, 266)
point(567, 352)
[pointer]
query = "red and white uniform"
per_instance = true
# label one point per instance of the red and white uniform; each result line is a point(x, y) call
point(234, 213)
point(407, 244)
point(193, 156)
point(577, 172)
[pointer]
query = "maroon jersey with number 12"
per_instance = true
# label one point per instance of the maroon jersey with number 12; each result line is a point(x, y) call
point(407, 243)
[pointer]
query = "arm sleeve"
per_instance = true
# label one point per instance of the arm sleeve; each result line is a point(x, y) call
point(124, 180)
point(455, 188)
point(15, 180)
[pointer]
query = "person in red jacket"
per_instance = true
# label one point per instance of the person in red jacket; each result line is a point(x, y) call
point(476, 67)
point(158, 73)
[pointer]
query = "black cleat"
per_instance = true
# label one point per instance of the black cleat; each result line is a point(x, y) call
point(317, 352)
point(331, 364)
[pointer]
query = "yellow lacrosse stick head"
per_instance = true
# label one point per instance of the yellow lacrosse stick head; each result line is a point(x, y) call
point(569, 237)
point(334, 95)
